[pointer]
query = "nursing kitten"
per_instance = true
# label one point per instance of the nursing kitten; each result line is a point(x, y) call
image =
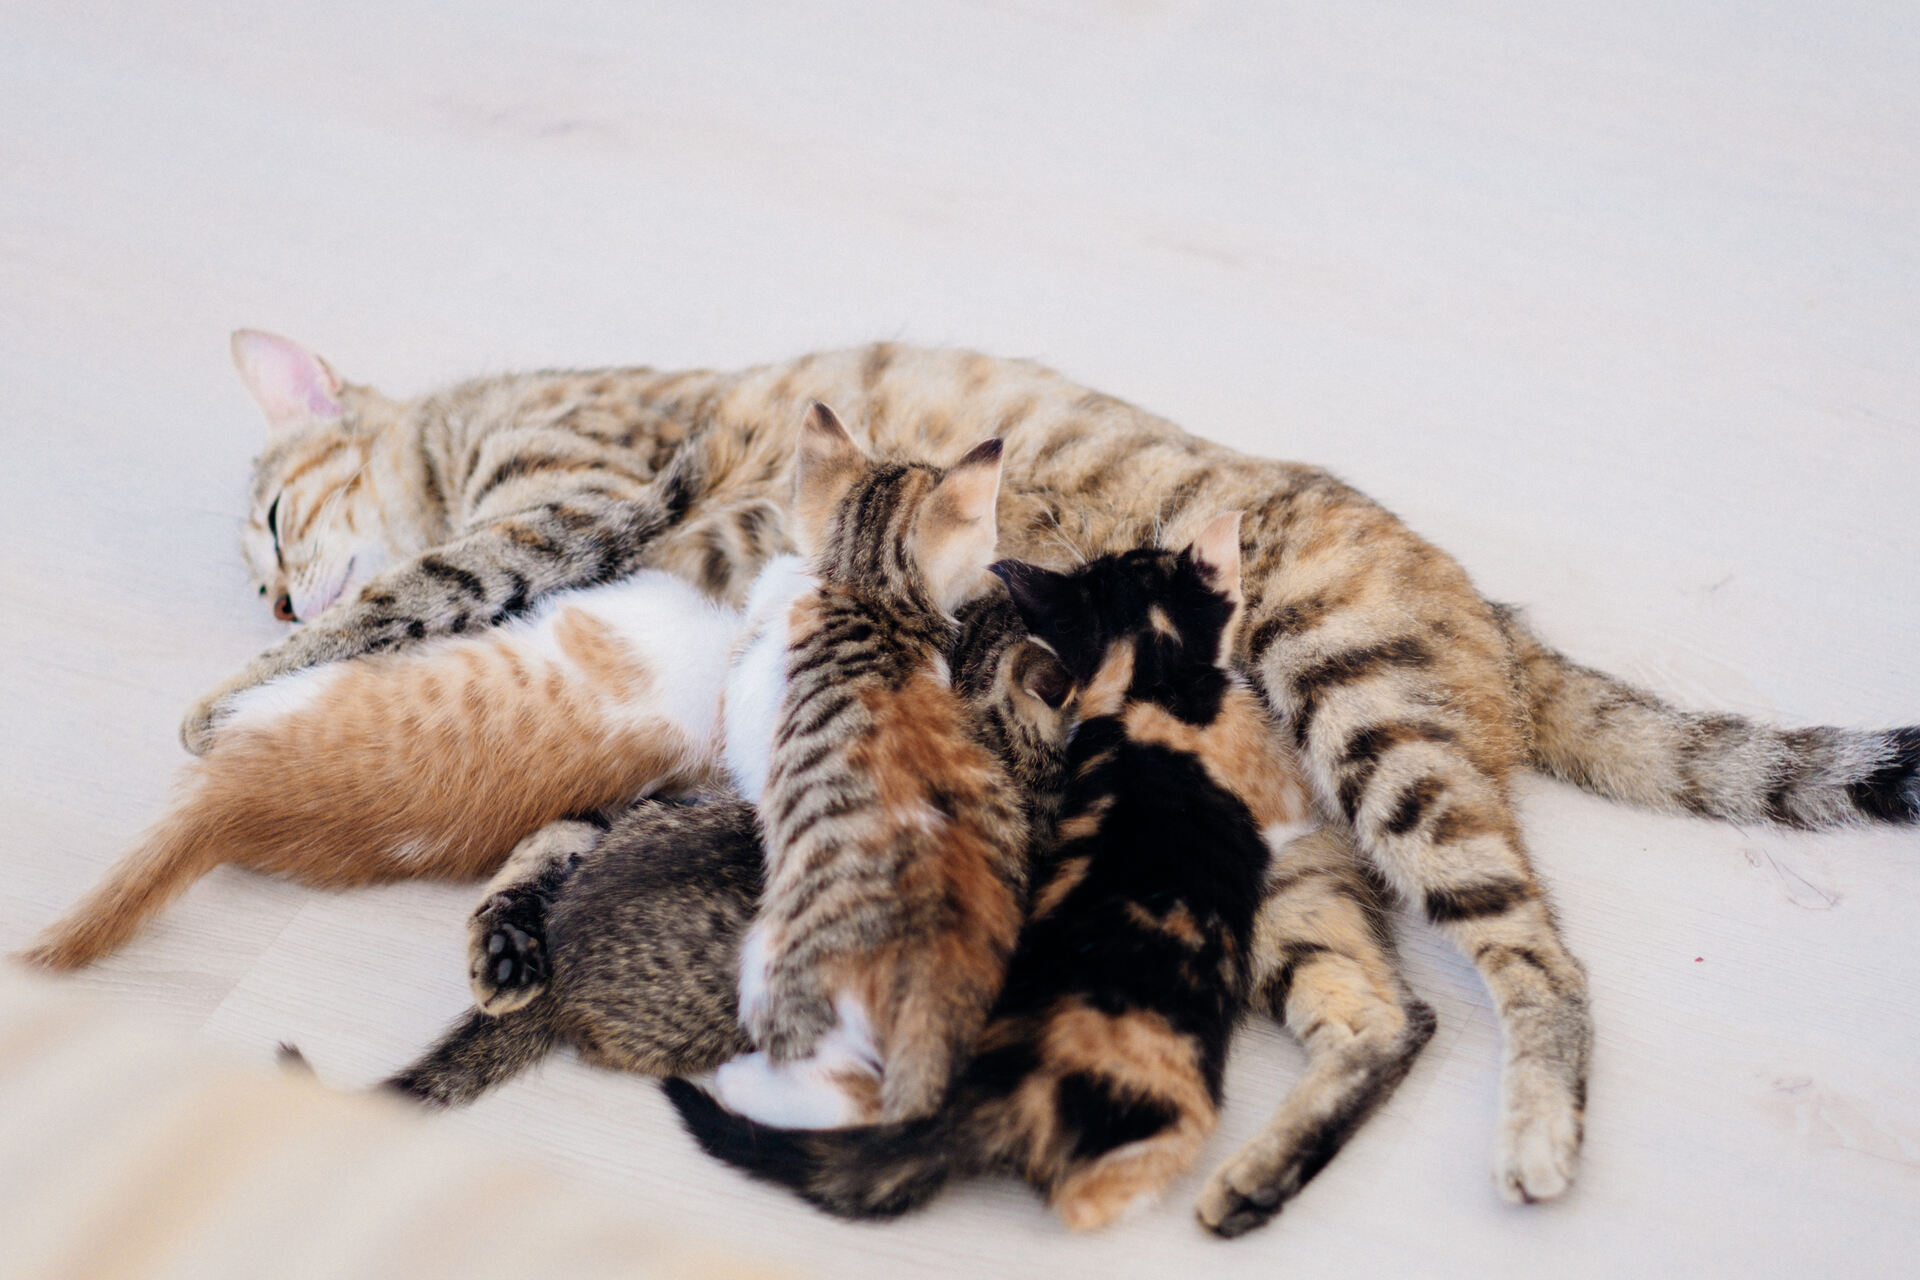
point(628, 951)
point(1411, 699)
point(896, 842)
point(624, 942)
point(1099, 1074)
point(434, 761)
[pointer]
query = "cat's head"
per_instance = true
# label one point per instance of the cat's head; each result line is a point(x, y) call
point(905, 528)
point(1144, 623)
point(325, 516)
point(1022, 696)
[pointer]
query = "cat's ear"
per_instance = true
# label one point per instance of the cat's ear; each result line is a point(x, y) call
point(825, 466)
point(1041, 673)
point(1215, 553)
point(958, 528)
point(1037, 593)
point(293, 387)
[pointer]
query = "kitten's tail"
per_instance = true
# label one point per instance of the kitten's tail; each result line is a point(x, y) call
point(175, 854)
point(878, 1171)
point(479, 1052)
point(1607, 736)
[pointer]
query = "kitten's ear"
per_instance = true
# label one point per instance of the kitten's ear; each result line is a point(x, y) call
point(825, 466)
point(293, 387)
point(958, 527)
point(1216, 555)
point(1042, 674)
point(1036, 593)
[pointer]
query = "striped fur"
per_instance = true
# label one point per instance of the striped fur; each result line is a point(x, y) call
point(895, 839)
point(625, 943)
point(1413, 701)
point(433, 762)
point(623, 939)
point(1099, 1074)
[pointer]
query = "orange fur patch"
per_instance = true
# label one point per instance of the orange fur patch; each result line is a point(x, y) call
point(1239, 750)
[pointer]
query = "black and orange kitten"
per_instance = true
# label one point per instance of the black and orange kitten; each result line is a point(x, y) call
point(1099, 1074)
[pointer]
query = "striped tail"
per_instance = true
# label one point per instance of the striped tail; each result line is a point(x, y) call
point(1617, 741)
point(175, 854)
point(480, 1052)
point(880, 1171)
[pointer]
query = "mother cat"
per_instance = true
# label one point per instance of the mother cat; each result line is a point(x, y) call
point(1411, 699)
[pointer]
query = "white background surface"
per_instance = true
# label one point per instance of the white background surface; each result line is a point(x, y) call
point(1617, 303)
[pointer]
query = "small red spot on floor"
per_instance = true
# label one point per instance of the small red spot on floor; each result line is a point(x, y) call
point(1698, 959)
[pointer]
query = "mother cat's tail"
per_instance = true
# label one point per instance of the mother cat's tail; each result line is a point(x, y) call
point(174, 854)
point(1621, 742)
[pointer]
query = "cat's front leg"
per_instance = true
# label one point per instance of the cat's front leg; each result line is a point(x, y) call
point(477, 581)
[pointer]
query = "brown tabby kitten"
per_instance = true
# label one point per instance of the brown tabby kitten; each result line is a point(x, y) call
point(1099, 1076)
point(896, 843)
point(624, 942)
point(1411, 699)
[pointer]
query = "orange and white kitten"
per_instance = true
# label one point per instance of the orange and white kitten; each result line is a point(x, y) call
point(432, 762)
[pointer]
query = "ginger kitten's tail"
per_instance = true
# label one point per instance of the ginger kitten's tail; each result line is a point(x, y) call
point(878, 1171)
point(175, 854)
point(1607, 736)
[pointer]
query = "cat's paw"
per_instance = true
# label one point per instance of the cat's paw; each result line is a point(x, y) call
point(1242, 1195)
point(202, 723)
point(507, 960)
point(1537, 1153)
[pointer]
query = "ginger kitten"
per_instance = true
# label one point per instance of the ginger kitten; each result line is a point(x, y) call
point(432, 762)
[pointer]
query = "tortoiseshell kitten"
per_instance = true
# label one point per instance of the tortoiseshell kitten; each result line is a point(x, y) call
point(1099, 1075)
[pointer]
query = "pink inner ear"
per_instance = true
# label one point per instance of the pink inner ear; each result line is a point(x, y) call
point(288, 382)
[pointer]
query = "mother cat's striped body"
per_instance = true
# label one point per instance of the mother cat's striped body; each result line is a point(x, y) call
point(1411, 699)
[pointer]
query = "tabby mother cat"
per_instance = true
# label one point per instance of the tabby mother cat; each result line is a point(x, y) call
point(1411, 700)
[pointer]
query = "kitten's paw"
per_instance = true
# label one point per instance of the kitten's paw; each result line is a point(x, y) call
point(1538, 1151)
point(507, 962)
point(1242, 1195)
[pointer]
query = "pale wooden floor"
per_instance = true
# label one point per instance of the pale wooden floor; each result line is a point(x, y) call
point(1619, 303)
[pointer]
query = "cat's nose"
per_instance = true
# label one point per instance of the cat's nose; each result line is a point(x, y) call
point(283, 608)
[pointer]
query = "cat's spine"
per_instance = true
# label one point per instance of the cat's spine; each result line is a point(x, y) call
point(1606, 736)
point(478, 1053)
point(877, 1171)
point(178, 851)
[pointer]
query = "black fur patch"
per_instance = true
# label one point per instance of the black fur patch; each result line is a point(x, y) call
point(1474, 901)
point(1412, 805)
point(1891, 793)
point(1104, 1119)
point(1352, 665)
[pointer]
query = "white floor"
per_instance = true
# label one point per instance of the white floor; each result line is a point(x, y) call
point(1619, 303)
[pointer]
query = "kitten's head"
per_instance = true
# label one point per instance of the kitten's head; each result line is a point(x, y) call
point(320, 526)
point(904, 528)
point(1022, 696)
point(1154, 623)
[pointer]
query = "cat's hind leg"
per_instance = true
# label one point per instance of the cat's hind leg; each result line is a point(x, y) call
point(481, 1051)
point(1323, 966)
point(508, 962)
point(1408, 722)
